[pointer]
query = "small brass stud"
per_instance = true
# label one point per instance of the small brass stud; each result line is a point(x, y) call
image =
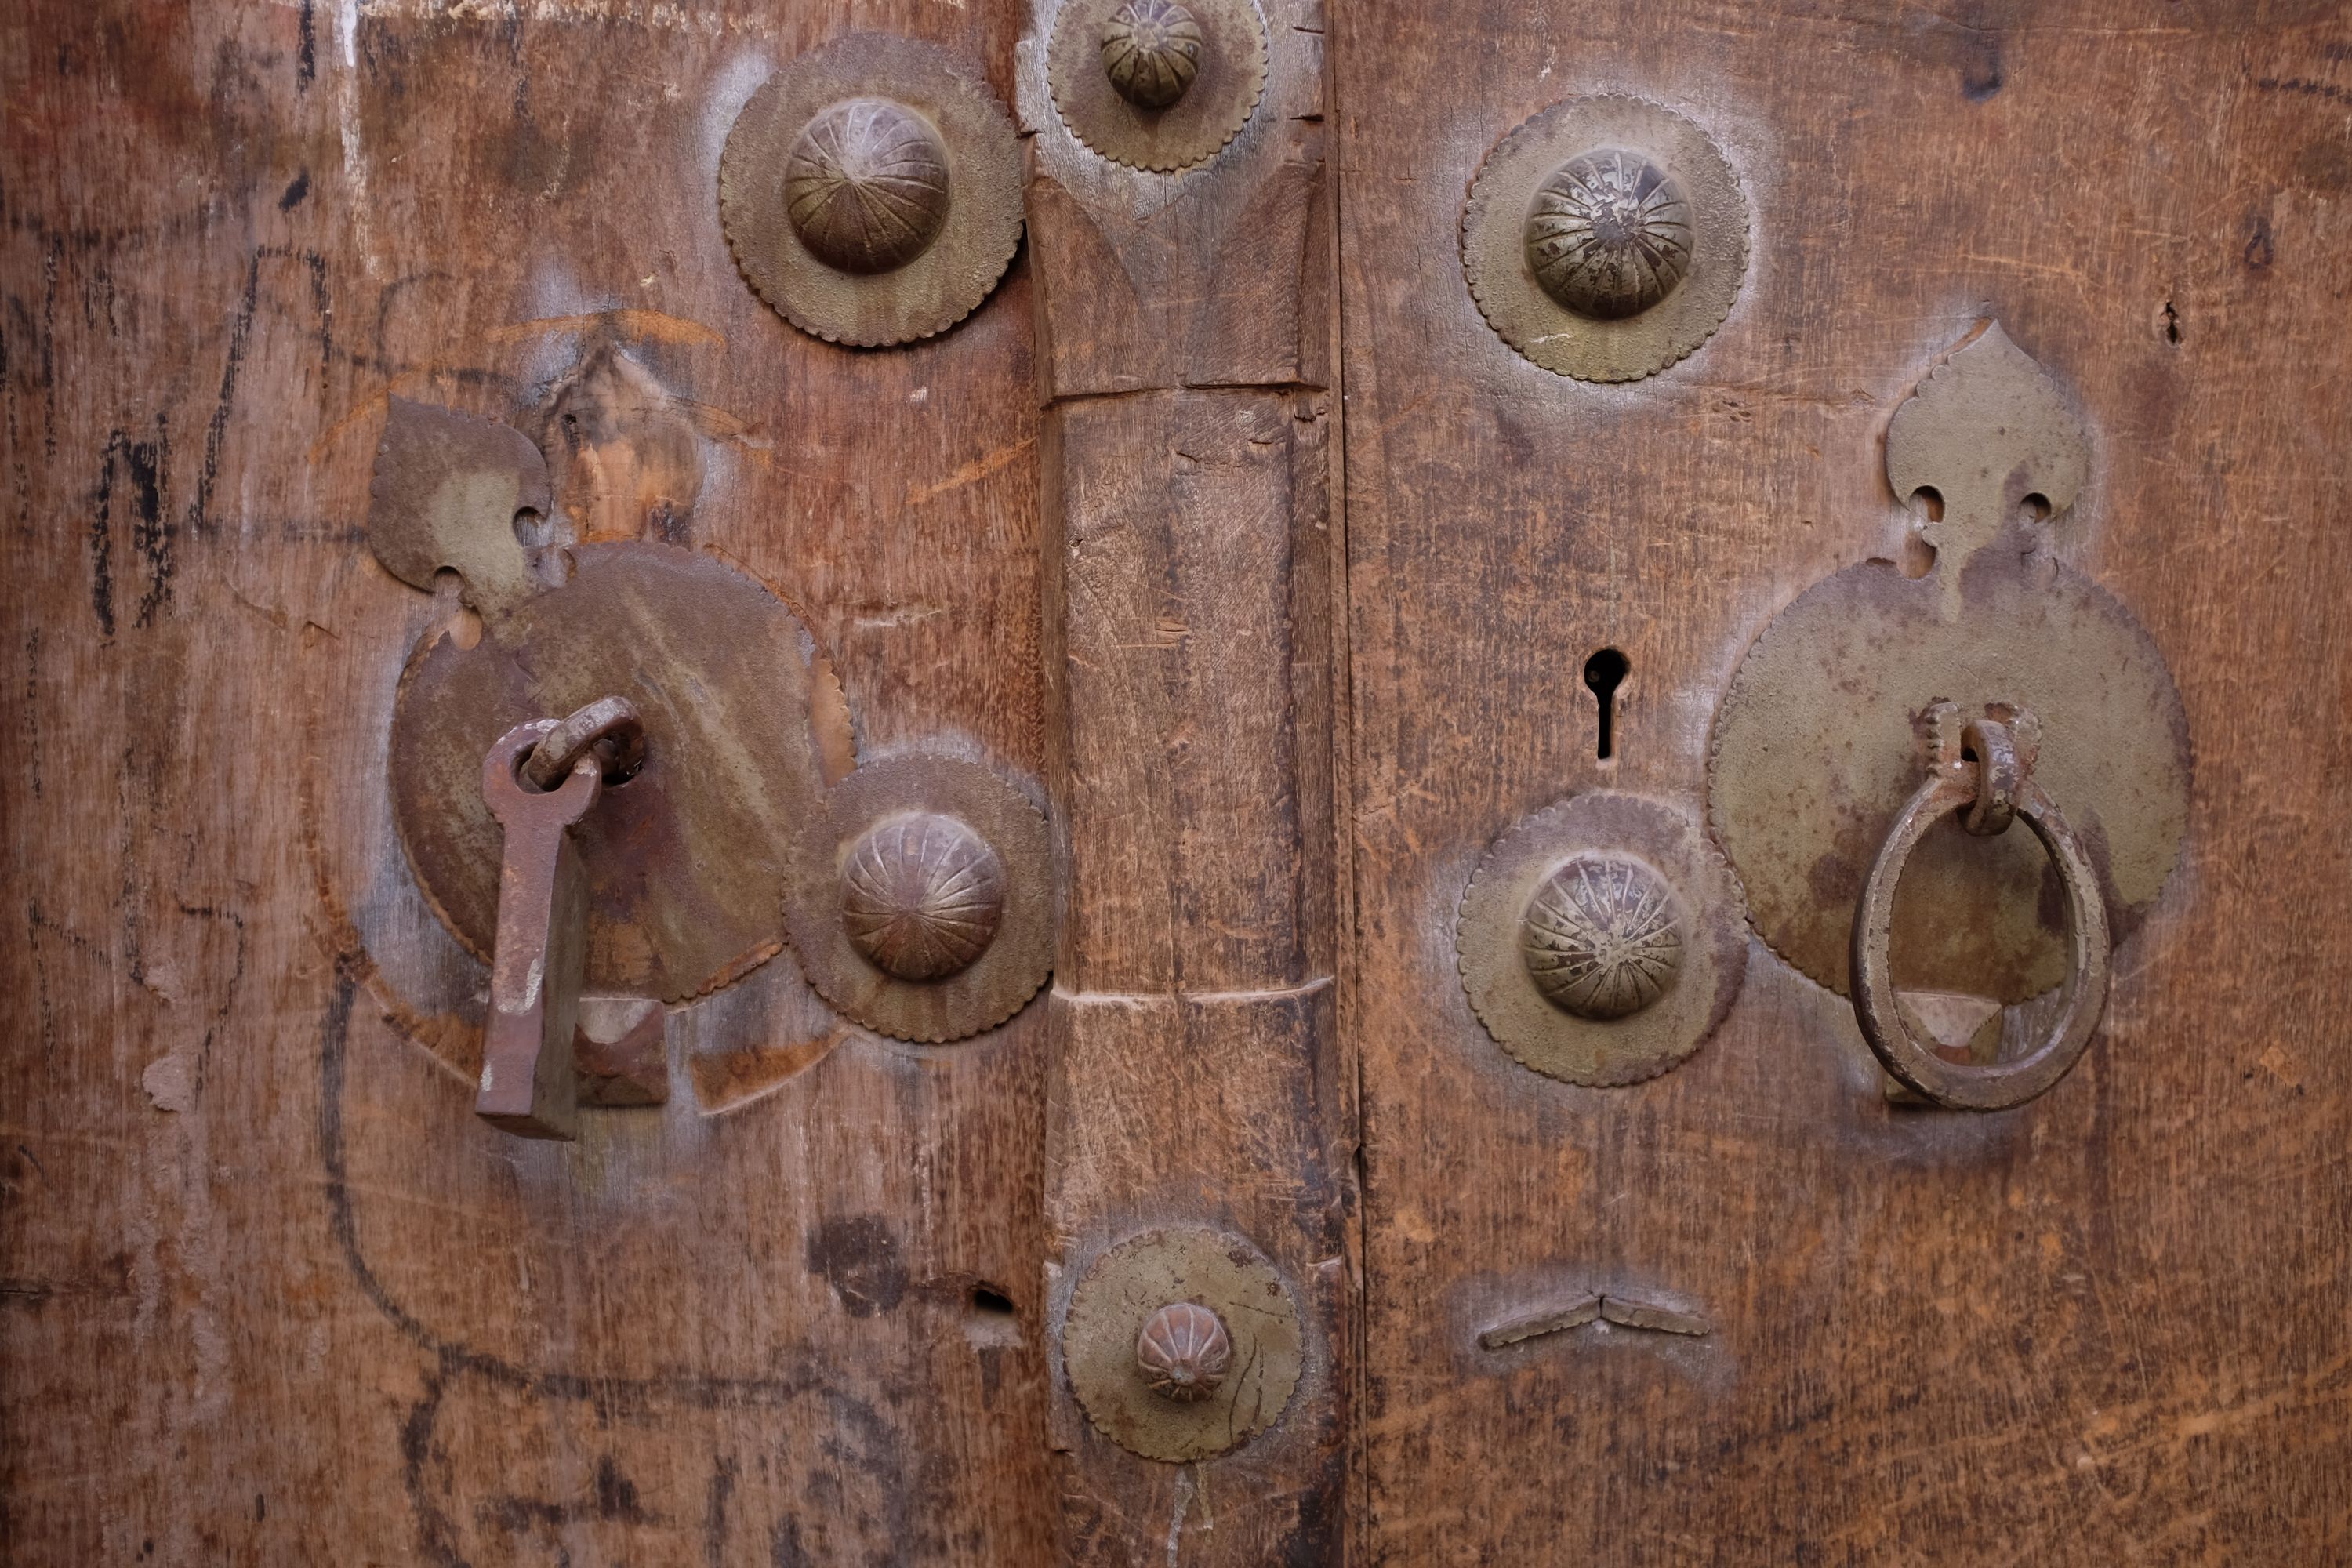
point(1183, 1351)
point(1151, 51)
point(867, 185)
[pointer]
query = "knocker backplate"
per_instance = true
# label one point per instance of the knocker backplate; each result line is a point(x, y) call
point(683, 861)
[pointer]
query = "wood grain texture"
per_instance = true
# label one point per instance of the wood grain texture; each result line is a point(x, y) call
point(269, 1292)
point(2109, 1326)
point(1196, 1074)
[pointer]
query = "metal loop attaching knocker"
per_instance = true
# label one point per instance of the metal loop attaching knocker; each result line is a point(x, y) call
point(1988, 774)
point(608, 726)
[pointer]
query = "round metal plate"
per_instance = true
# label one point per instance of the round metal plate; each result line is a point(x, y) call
point(1191, 130)
point(1815, 752)
point(1134, 1279)
point(1494, 240)
point(682, 860)
point(1019, 956)
point(1711, 954)
point(975, 241)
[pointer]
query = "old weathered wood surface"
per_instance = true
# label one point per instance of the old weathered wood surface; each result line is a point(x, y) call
point(1197, 1075)
point(2109, 1325)
point(268, 1291)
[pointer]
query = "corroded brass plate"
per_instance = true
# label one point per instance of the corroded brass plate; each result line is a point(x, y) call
point(1118, 1296)
point(871, 190)
point(1605, 238)
point(968, 863)
point(1819, 742)
point(682, 860)
point(1210, 113)
point(1603, 941)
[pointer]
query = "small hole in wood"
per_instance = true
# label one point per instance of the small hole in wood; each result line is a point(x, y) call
point(1604, 672)
point(991, 1301)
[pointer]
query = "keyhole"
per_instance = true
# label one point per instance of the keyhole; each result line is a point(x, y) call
point(1604, 672)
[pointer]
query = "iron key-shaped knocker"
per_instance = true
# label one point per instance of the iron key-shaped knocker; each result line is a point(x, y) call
point(539, 778)
point(1985, 770)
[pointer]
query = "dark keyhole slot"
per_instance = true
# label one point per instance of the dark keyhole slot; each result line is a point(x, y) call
point(989, 1299)
point(1604, 672)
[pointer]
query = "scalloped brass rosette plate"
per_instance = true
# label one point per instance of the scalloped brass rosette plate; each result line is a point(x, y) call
point(1212, 108)
point(871, 190)
point(1135, 1278)
point(683, 859)
point(1818, 742)
point(1603, 941)
point(922, 907)
point(1605, 238)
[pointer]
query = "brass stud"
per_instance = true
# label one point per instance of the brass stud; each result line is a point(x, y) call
point(922, 896)
point(867, 185)
point(1151, 51)
point(1609, 235)
point(1183, 1351)
point(1601, 937)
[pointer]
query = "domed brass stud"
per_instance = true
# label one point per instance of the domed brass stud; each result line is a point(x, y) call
point(1183, 1351)
point(1602, 938)
point(1159, 85)
point(867, 185)
point(922, 896)
point(1605, 238)
point(871, 190)
point(1609, 235)
point(1151, 52)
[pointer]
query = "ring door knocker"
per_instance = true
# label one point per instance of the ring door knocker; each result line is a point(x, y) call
point(2021, 686)
point(1987, 771)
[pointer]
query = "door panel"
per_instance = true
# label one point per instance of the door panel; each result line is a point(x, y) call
point(274, 1293)
point(2105, 1323)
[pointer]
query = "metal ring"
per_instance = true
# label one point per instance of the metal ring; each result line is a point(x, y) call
point(1961, 1086)
point(612, 718)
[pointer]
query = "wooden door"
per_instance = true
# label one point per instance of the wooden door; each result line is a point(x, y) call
point(2104, 1324)
point(1238, 531)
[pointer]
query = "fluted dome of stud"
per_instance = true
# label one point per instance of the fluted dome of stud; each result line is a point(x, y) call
point(1602, 938)
point(866, 186)
point(1609, 235)
point(1183, 1351)
point(1151, 52)
point(922, 897)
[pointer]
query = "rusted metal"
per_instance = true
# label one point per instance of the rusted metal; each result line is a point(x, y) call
point(527, 1086)
point(872, 126)
point(1603, 941)
point(456, 493)
point(1820, 738)
point(1605, 238)
point(683, 860)
point(1103, 85)
point(609, 727)
point(1986, 779)
point(1134, 1284)
point(620, 1051)
point(922, 904)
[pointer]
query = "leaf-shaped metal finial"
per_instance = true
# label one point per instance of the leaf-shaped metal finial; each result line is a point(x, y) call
point(447, 491)
point(1985, 430)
